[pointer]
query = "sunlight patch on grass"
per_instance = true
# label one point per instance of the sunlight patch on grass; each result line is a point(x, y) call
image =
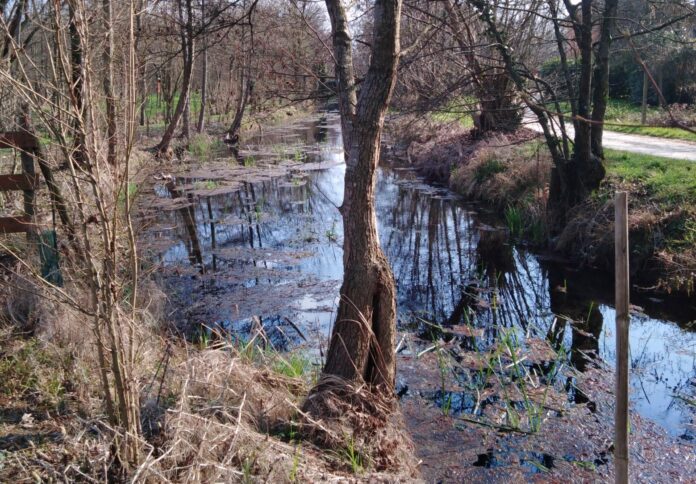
point(461, 110)
point(657, 131)
point(667, 181)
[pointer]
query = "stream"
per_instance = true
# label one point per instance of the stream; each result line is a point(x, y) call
point(258, 244)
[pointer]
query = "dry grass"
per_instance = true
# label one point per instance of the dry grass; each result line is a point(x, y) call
point(222, 414)
point(216, 428)
point(234, 420)
point(439, 148)
point(660, 253)
point(503, 174)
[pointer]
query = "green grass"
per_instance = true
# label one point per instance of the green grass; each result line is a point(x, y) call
point(668, 182)
point(353, 456)
point(623, 111)
point(514, 218)
point(656, 131)
point(32, 371)
point(294, 365)
point(155, 109)
point(460, 110)
point(203, 147)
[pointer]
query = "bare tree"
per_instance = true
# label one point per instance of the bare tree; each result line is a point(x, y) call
point(108, 82)
point(102, 263)
point(578, 170)
point(204, 78)
point(186, 34)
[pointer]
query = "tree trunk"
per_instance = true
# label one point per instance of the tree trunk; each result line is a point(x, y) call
point(204, 80)
point(600, 94)
point(187, 44)
point(499, 111)
point(108, 83)
point(204, 92)
point(186, 118)
point(77, 78)
point(245, 91)
point(343, 52)
point(363, 339)
point(572, 180)
point(142, 84)
point(583, 150)
point(644, 100)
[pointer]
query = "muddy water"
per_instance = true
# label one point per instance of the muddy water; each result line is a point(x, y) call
point(260, 246)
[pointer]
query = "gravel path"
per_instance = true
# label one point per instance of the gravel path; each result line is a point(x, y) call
point(635, 143)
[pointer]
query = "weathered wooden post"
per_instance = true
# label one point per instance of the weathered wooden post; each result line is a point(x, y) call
point(622, 288)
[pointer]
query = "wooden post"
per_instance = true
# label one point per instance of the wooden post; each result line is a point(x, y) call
point(622, 319)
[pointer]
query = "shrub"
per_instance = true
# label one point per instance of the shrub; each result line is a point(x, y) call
point(488, 169)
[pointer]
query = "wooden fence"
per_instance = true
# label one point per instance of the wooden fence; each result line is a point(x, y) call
point(27, 182)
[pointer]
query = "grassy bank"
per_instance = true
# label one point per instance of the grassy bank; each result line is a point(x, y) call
point(662, 217)
point(669, 183)
point(656, 131)
point(511, 173)
point(662, 209)
point(512, 178)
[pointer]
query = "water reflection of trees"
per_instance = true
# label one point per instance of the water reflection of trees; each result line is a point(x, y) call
point(452, 268)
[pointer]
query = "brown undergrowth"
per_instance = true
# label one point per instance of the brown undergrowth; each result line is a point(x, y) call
point(369, 420)
point(222, 412)
point(660, 255)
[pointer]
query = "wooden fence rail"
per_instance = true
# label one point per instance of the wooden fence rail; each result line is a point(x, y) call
point(27, 182)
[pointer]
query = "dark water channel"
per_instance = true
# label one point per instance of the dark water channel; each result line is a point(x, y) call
point(243, 246)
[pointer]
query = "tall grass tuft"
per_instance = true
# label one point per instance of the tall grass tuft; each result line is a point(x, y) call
point(514, 220)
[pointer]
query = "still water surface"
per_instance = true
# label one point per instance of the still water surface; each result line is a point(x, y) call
point(270, 247)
